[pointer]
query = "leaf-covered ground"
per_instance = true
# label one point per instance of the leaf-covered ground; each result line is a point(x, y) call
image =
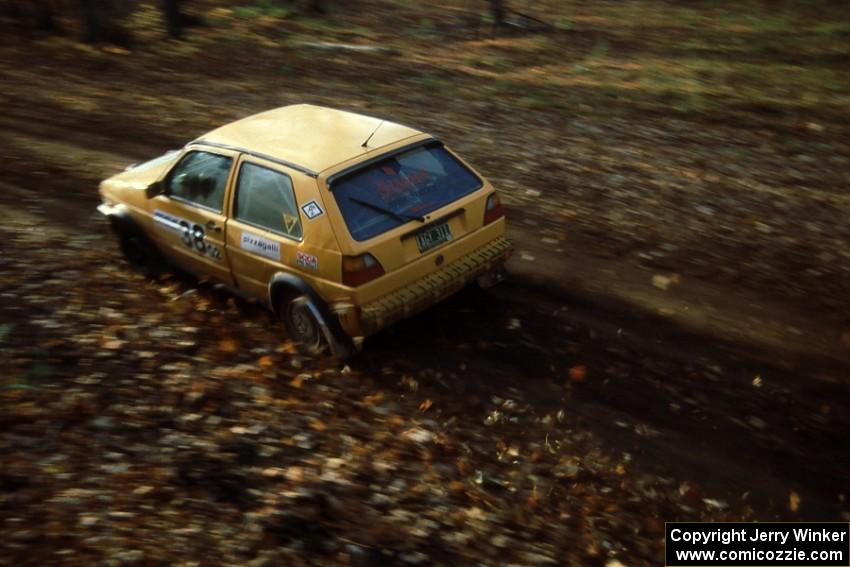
point(166, 422)
point(159, 422)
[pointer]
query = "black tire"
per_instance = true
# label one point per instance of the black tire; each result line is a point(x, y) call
point(302, 326)
point(140, 254)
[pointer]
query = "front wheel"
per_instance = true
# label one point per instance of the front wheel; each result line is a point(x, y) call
point(140, 254)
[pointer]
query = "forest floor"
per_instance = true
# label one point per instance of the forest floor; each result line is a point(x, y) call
point(673, 346)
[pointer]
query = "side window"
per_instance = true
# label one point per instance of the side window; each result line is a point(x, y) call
point(200, 178)
point(265, 198)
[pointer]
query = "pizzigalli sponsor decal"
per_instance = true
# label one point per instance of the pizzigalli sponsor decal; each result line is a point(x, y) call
point(260, 245)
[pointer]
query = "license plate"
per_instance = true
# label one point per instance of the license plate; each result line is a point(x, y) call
point(433, 237)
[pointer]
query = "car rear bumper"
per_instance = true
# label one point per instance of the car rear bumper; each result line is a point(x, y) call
point(427, 291)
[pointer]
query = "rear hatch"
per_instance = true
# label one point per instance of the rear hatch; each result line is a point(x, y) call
point(409, 203)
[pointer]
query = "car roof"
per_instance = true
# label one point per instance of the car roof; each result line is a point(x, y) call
point(308, 137)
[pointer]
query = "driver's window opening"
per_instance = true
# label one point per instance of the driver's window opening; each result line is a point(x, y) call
point(201, 178)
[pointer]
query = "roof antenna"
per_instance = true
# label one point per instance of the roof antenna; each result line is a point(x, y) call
point(366, 143)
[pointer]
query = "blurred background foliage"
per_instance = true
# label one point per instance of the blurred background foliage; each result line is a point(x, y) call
point(106, 20)
point(687, 55)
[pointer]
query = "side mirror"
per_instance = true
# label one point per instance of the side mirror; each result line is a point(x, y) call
point(154, 189)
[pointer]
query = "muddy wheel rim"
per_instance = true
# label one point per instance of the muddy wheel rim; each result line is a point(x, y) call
point(302, 323)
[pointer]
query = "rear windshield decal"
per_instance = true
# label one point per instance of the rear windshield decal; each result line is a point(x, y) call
point(260, 245)
point(400, 188)
point(312, 209)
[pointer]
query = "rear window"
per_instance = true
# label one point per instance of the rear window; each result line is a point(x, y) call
point(400, 188)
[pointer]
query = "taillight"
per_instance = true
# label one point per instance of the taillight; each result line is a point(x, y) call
point(357, 270)
point(494, 209)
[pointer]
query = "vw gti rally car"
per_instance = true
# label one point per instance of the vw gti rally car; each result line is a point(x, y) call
point(340, 223)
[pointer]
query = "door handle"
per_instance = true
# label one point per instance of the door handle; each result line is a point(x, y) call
point(213, 227)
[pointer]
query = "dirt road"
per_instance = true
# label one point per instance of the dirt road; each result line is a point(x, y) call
point(560, 417)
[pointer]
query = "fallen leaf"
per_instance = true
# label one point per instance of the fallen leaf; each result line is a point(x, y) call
point(228, 346)
point(295, 474)
point(715, 504)
point(690, 492)
point(373, 398)
point(266, 362)
point(114, 50)
point(423, 407)
point(793, 501)
point(419, 435)
point(578, 373)
point(661, 282)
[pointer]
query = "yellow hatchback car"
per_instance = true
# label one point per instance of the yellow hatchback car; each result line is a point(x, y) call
point(341, 223)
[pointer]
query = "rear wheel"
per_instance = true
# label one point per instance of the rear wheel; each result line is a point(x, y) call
point(302, 325)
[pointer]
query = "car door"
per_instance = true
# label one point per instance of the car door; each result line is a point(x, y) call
point(189, 216)
point(265, 230)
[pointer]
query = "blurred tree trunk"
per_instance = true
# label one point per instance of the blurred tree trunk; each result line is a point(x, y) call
point(497, 11)
point(35, 15)
point(316, 6)
point(102, 21)
point(173, 18)
point(176, 20)
point(44, 16)
point(92, 20)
